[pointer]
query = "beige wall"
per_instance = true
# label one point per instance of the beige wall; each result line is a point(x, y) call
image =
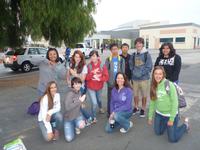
point(189, 32)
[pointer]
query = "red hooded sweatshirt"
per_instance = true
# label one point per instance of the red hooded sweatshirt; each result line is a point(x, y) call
point(91, 82)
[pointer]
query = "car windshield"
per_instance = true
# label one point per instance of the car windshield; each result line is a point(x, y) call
point(79, 45)
point(20, 51)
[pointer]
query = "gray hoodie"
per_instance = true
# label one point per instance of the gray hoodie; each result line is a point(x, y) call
point(49, 73)
point(72, 105)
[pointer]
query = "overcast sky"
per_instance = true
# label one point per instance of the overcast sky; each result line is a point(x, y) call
point(111, 13)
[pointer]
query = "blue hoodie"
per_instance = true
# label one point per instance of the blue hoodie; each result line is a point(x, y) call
point(121, 100)
point(142, 66)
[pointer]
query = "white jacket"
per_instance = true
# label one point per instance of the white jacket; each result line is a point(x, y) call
point(44, 110)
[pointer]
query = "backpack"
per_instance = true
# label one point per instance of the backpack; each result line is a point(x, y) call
point(110, 59)
point(34, 108)
point(145, 57)
point(181, 98)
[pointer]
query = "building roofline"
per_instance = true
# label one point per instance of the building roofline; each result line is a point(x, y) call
point(171, 25)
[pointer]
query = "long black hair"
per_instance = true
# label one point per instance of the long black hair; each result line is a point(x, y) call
point(126, 82)
point(52, 49)
point(171, 47)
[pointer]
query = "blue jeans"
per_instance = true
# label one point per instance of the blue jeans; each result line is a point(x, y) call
point(84, 112)
point(69, 128)
point(95, 98)
point(121, 121)
point(56, 123)
point(174, 132)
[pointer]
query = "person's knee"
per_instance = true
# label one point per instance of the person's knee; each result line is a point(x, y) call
point(69, 138)
point(59, 116)
point(172, 139)
point(158, 132)
point(116, 117)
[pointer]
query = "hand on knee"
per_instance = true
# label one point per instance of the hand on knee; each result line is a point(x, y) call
point(82, 125)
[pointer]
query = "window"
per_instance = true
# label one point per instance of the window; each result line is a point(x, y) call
point(32, 51)
point(180, 40)
point(42, 50)
point(166, 40)
point(198, 42)
point(79, 46)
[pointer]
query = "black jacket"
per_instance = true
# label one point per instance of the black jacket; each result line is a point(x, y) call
point(171, 65)
point(127, 68)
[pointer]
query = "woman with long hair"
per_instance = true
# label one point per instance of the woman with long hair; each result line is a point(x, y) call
point(165, 107)
point(50, 69)
point(170, 61)
point(49, 117)
point(120, 105)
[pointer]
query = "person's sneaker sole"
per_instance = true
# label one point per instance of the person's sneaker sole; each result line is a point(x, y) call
point(122, 130)
point(142, 116)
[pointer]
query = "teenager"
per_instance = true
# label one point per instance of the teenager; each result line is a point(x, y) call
point(73, 119)
point(78, 68)
point(126, 56)
point(165, 107)
point(49, 117)
point(97, 75)
point(120, 105)
point(114, 64)
point(170, 61)
point(50, 69)
point(141, 66)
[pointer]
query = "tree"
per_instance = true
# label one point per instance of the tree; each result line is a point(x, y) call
point(55, 20)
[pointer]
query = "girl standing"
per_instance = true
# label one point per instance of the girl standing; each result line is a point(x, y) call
point(95, 78)
point(170, 61)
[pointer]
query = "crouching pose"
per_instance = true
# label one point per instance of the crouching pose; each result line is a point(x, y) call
point(49, 117)
point(120, 105)
point(73, 119)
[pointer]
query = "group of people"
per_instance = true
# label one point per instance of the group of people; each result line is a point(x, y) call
point(127, 77)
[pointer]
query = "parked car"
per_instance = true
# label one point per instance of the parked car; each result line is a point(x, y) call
point(24, 58)
point(83, 47)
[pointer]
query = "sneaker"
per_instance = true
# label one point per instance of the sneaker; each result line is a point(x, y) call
point(88, 121)
point(122, 130)
point(78, 131)
point(135, 111)
point(142, 113)
point(186, 122)
point(56, 135)
point(101, 111)
point(94, 120)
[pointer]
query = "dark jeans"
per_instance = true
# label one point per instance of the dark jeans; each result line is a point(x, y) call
point(174, 132)
point(109, 90)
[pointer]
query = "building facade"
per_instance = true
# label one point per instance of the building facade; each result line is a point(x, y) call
point(183, 36)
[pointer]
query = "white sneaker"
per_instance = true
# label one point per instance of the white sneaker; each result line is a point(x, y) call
point(122, 130)
point(78, 131)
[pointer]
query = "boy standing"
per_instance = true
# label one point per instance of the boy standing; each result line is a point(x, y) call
point(141, 66)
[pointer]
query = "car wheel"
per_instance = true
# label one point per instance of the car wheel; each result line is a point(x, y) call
point(26, 67)
point(14, 69)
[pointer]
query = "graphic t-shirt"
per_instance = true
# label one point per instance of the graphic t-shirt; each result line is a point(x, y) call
point(115, 66)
